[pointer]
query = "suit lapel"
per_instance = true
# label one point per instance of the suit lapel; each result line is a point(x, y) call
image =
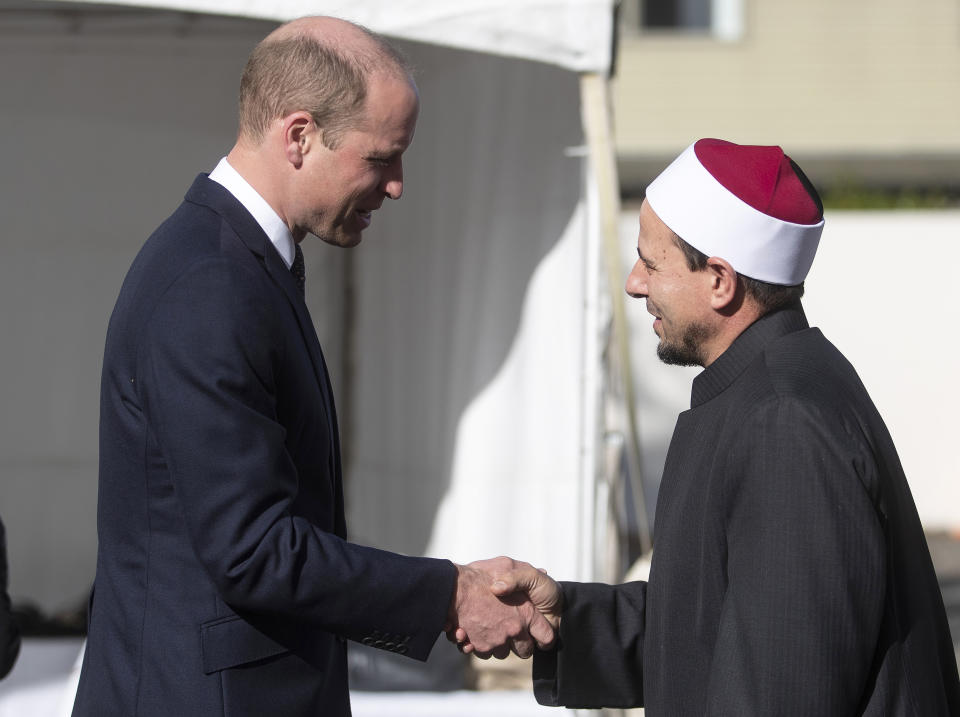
point(213, 195)
point(282, 276)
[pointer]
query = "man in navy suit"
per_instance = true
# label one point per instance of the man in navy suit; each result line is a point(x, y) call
point(225, 584)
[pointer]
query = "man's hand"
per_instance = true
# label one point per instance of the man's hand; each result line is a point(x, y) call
point(541, 590)
point(491, 613)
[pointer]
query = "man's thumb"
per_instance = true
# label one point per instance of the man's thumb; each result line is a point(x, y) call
point(518, 579)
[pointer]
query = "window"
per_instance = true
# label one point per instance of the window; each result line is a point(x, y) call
point(722, 19)
point(675, 14)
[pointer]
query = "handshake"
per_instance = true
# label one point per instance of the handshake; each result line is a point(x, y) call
point(502, 606)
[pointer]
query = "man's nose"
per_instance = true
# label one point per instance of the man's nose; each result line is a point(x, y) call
point(393, 186)
point(637, 281)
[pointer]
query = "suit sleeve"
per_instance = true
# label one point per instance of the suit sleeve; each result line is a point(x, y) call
point(805, 568)
point(9, 634)
point(598, 660)
point(208, 370)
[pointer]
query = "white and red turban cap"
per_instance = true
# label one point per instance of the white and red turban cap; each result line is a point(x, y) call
point(742, 203)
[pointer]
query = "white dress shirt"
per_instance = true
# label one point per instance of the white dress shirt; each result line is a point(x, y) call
point(269, 220)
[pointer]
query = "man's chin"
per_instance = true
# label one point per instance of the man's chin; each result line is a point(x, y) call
point(345, 240)
point(675, 355)
point(684, 353)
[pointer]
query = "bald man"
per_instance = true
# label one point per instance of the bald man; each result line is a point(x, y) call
point(225, 583)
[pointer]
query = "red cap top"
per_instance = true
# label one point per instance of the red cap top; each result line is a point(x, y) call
point(761, 176)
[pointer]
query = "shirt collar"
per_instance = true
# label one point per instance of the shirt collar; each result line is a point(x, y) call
point(271, 223)
point(732, 362)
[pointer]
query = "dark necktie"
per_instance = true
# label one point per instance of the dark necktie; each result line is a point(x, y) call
point(298, 269)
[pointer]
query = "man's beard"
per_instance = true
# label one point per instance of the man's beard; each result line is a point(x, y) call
point(688, 351)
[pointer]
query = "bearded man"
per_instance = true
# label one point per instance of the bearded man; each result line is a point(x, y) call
point(790, 574)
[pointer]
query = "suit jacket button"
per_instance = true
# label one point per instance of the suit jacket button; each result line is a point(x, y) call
point(392, 646)
point(402, 649)
point(367, 641)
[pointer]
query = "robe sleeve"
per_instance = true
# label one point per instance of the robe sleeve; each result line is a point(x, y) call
point(598, 660)
point(805, 566)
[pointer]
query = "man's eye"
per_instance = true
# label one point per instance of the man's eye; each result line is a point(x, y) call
point(379, 161)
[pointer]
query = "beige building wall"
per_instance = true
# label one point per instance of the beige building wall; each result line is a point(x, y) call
point(851, 79)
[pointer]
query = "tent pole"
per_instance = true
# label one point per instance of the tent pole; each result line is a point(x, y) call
point(597, 123)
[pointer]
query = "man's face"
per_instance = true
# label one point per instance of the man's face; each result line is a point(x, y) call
point(677, 297)
point(340, 188)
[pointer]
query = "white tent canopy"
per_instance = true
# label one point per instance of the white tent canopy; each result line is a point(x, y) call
point(573, 34)
point(468, 336)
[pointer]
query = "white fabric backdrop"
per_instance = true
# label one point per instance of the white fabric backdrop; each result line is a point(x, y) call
point(468, 362)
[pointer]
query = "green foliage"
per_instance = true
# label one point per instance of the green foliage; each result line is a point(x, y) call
point(851, 195)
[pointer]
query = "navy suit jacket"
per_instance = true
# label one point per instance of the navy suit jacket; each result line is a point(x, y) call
point(225, 584)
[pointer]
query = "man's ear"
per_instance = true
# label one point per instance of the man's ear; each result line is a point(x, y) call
point(298, 132)
point(723, 283)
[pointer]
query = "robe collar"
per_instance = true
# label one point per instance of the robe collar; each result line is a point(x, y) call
point(744, 349)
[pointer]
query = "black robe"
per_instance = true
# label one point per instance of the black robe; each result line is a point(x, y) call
point(790, 574)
